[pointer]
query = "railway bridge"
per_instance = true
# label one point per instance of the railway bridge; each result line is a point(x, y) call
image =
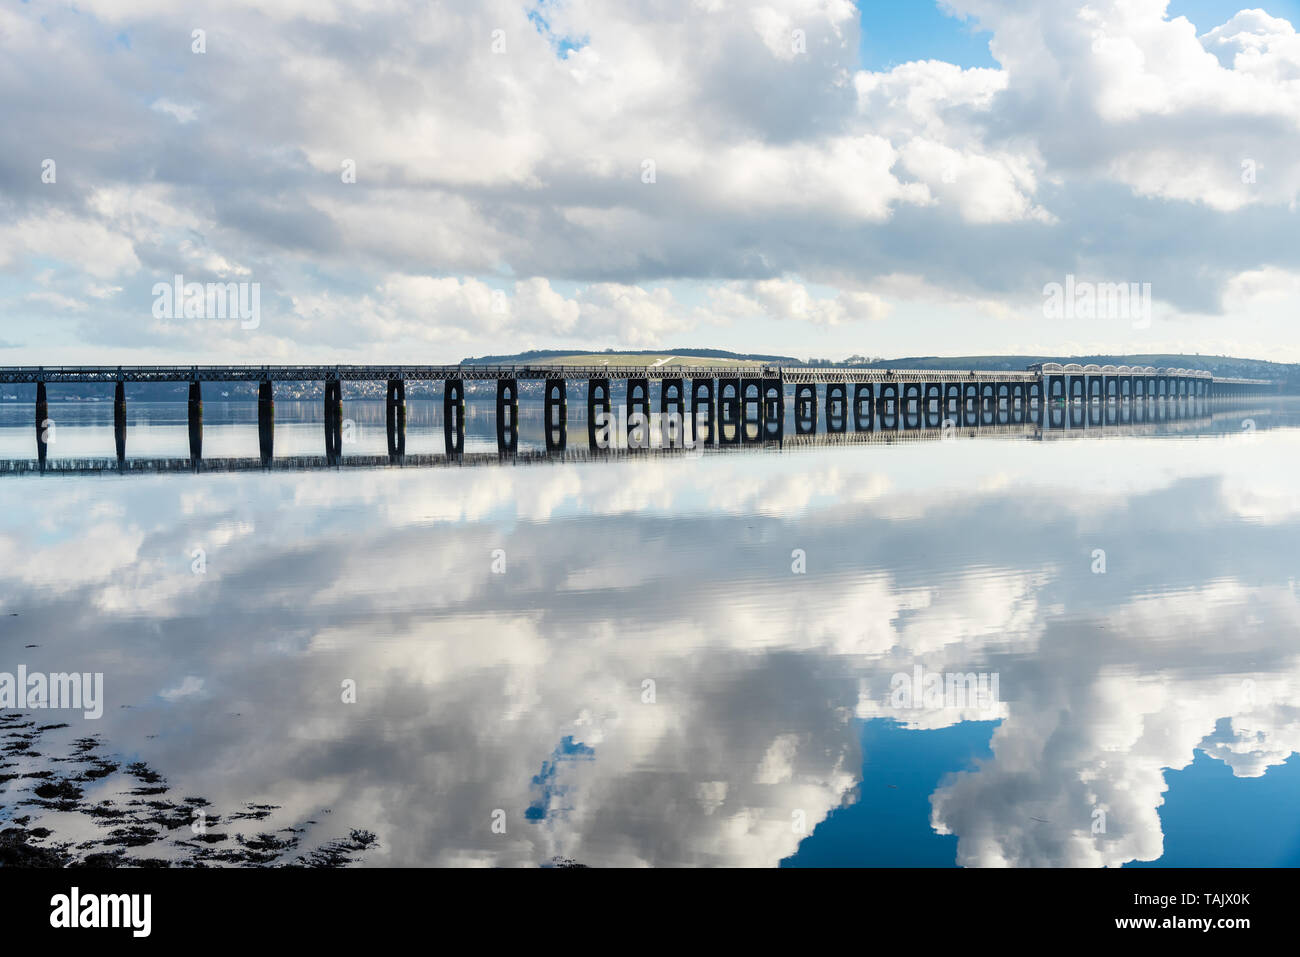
point(724, 405)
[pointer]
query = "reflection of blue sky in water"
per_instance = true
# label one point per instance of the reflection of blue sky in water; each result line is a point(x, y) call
point(1212, 818)
point(970, 556)
point(888, 824)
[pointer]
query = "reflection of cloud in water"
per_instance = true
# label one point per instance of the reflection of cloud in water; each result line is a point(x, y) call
point(473, 686)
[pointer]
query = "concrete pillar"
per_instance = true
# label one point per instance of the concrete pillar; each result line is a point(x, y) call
point(932, 405)
point(119, 420)
point(951, 411)
point(636, 413)
point(672, 397)
point(864, 406)
point(42, 422)
point(556, 415)
point(988, 393)
point(890, 405)
point(773, 393)
point(751, 409)
point(704, 411)
point(507, 416)
point(805, 409)
point(599, 423)
point(333, 421)
point(195, 407)
point(395, 417)
point(453, 416)
point(913, 398)
point(729, 424)
point(266, 421)
point(672, 412)
point(970, 403)
point(837, 407)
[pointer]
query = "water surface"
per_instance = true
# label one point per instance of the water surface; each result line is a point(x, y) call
point(680, 660)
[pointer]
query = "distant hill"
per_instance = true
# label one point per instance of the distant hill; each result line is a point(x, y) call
point(1218, 365)
point(1227, 366)
point(550, 356)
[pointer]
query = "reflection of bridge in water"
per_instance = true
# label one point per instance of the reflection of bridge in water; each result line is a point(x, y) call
point(729, 405)
point(1064, 422)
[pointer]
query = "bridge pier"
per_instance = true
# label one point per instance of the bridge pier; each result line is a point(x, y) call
point(672, 398)
point(751, 409)
point(773, 427)
point(672, 412)
point(864, 407)
point(266, 421)
point(950, 411)
point(598, 415)
point(729, 424)
point(42, 422)
point(395, 418)
point(805, 409)
point(889, 406)
point(837, 407)
point(636, 404)
point(453, 416)
point(556, 415)
point(333, 421)
point(703, 399)
point(913, 394)
point(195, 408)
point(970, 404)
point(932, 405)
point(507, 416)
point(1054, 389)
point(119, 420)
point(987, 393)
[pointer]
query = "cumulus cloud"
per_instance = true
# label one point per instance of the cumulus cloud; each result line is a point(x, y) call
point(401, 164)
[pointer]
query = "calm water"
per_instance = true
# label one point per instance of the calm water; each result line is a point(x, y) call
point(660, 661)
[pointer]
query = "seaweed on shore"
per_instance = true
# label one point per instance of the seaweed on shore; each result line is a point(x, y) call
point(146, 827)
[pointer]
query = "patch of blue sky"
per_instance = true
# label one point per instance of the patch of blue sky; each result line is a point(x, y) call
point(1208, 14)
point(894, 32)
point(562, 44)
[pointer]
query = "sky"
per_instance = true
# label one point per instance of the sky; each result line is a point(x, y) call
point(393, 181)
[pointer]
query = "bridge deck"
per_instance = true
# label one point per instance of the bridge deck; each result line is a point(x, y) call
point(370, 373)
